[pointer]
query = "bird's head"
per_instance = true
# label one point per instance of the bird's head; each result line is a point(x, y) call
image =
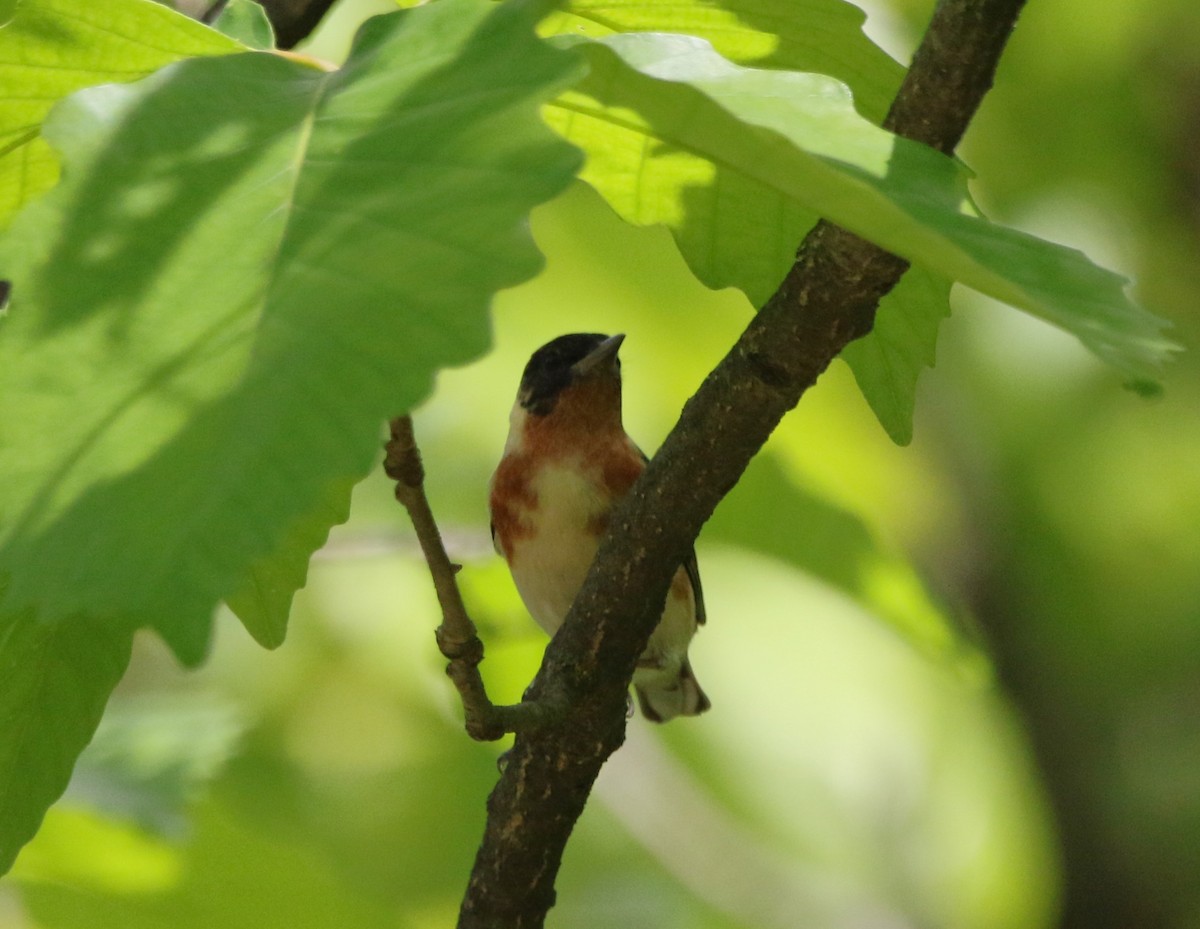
point(580, 369)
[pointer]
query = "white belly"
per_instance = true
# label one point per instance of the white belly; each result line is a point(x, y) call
point(550, 567)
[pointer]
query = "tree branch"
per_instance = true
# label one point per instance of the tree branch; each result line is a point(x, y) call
point(828, 299)
point(457, 637)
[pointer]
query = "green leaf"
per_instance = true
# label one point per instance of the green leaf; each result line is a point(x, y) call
point(52, 48)
point(737, 162)
point(264, 602)
point(56, 679)
point(888, 362)
point(246, 21)
point(823, 36)
point(250, 264)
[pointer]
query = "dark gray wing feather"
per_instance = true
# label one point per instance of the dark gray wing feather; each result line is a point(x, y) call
point(693, 573)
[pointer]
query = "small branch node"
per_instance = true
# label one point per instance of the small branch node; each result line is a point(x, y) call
point(402, 462)
point(456, 648)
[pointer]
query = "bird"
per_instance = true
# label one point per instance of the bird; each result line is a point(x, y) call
point(566, 462)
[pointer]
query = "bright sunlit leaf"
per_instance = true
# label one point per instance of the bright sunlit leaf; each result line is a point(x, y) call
point(825, 37)
point(738, 161)
point(52, 48)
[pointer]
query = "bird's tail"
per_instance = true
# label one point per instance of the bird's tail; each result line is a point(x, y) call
point(663, 697)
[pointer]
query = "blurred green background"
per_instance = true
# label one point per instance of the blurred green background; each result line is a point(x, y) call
point(848, 776)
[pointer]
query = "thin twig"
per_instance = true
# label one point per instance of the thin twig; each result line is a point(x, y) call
point(457, 636)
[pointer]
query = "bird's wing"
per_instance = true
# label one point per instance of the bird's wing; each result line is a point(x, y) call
point(693, 573)
point(691, 567)
point(495, 541)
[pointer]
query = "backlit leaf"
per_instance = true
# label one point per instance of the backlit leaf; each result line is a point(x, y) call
point(677, 135)
point(52, 48)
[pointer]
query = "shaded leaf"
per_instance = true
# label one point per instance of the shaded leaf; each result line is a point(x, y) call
point(56, 680)
point(888, 362)
point(189, 400)
point(264, 601)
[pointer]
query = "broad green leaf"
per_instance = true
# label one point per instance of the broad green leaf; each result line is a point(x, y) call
point(265, 599)
point(823, 36)
point(835, 546)
point(246, 21)
point(675, 134)
point(250, 264)
point(52, 48)
point(56, 680)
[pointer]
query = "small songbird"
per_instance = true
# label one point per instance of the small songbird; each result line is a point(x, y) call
point(565, 464)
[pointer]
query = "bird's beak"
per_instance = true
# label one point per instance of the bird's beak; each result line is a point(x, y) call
point(599, 356)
